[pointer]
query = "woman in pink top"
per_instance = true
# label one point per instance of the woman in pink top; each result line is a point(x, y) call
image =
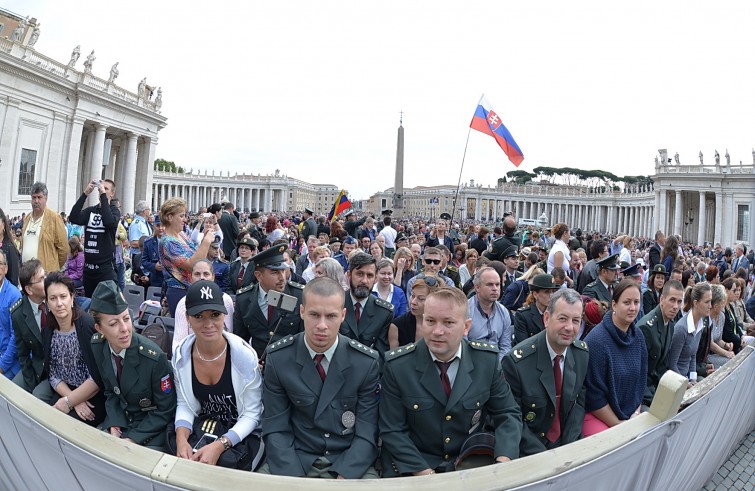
point(75, 263)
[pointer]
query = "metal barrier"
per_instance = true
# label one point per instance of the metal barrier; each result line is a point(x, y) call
point(41, 448)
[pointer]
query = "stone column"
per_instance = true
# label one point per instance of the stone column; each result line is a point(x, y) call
point(678, 214)
point(701, 220)
point(129, 175)
point(94, 169)
point(8, 133)
point(719, 212)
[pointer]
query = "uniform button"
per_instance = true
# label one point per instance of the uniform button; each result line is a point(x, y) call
point(551, 415)
point(448, 418)
point(533, 404)
point(271, 333)
point(542, 435)
point(327, 435)
point(447, 440)
point(327, 452)
point(478, 403)
point(415, 407)
point(445, 457)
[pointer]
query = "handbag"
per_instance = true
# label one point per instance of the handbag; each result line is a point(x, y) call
point(239, 456)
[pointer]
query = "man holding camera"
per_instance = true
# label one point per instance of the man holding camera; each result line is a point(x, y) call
point(101, 224)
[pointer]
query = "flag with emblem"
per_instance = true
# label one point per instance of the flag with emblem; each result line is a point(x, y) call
point(487, 121)
point(341, 204)
point(165, 384)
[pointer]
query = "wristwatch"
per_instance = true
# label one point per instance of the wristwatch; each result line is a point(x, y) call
point(225, 441)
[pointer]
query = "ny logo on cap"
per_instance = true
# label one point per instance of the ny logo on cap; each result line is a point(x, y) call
point(206, 293)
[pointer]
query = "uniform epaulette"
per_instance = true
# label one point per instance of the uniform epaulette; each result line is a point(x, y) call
point(151, 352)
point(363, 349)
point(452, 268)
point(523, 350)
point(16, 305)
point(580, 344)
point(523, 307)
point(484, 346)
point(382, 303)
point(400, 351)
point(245, 289)
point(294, 284)
point(97, 338)
point(280, 344)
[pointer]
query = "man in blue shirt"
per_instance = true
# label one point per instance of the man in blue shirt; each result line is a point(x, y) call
point(139, 227)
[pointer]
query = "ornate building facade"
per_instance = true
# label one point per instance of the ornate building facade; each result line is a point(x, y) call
point(63, 125)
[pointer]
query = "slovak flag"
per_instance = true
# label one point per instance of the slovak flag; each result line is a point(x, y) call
point(487, 121)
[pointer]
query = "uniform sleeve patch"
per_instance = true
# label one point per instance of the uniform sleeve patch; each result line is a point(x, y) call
point(166, 385)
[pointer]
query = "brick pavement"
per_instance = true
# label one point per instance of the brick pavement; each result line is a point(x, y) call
point(738, 472)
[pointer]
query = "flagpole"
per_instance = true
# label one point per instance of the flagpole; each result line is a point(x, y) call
point(458, 184)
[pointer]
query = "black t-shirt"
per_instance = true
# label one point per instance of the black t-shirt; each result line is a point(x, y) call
point(217, 401)
point(407, 328)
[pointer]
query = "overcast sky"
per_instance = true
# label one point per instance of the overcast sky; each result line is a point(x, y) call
point(314, 88)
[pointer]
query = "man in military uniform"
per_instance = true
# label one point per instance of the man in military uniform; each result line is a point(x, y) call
point(547, 374)
point(241, 270)
point(256, 320)
point(367, 317)
point(255, 228)
point(658, 328)
point(502, 243)
point(29, 317)
point(602, 288)
point(220, 266)
point(442, 389)
point(321, 410)
point(528, 320)
point(351, 225)
point(136, 375)
point(309, 227)
point(511, 261)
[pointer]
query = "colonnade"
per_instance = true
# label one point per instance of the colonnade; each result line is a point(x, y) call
point(201, 195)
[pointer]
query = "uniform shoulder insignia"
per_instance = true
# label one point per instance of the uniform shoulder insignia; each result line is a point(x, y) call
point(400, 351)
point(523, 350)
point(452, 268)
point(244, 290)
point(356, 345)
point(483, 346)
point(97, 338)
point(580, 344)
point(382, 303)
point(280, 344)
point(523, 308)
point(294, 284)
point(149, 350)
point(17, 304)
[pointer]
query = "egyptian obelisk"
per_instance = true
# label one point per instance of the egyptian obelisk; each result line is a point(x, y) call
point(398, 187)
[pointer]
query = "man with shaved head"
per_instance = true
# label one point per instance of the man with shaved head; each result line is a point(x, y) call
point(509, 238)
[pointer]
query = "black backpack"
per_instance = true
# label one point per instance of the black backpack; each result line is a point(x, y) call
point(158, 333)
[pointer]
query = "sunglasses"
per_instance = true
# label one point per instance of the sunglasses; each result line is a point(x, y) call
point(432, 261)
point(430, 280)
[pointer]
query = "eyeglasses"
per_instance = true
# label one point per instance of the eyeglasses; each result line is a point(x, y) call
point(430, 280)
point(44, 277)
point(432, 261)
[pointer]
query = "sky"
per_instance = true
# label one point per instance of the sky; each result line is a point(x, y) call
point(315, 89)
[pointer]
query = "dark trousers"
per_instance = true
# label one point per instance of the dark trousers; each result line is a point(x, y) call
point(92, 277)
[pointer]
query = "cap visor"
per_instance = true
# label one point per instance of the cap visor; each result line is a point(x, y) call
point(198, 309)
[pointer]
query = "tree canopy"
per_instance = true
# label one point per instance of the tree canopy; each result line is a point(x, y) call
point(598, 180)
point(168, 166)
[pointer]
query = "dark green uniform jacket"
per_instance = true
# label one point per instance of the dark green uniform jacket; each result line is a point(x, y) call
point(29, 346)
point(306, 418)
point(374, 320)
point(144, 403)
point(658, 341)
point(421, 428)
point(529, 371)
point(598, 291)
point(528, 321)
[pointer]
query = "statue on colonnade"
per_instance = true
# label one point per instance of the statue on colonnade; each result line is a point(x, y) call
point(701, 157)
point(34, 36)
point(717, 157)
point(676, 158)
point(74, 56)
point(728, 159)
point(113, 73)
point(89, 62)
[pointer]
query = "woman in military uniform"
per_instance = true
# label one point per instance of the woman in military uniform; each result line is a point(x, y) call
point(528, 320)
point(136, 375)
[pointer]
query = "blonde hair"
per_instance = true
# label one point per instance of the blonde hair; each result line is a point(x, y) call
point(171, 208)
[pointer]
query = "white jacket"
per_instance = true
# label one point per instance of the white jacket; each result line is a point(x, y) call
point(245, 377)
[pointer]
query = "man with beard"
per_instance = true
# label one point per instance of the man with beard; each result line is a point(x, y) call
point(253, 317)
point(658, 328)
point(367, 317)
point(547, 374)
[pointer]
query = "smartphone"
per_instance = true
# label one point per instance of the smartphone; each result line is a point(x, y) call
point(281, 301)
point(206, 215)
point(206, 439)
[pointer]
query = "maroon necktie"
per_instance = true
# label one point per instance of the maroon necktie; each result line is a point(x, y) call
point(610, 291)
point(357, 311)
point(240, 278)
point(443, 367)
point(318, 366)
point(554, 432)
point(118, 367)
point(270, 310)
point(42, 317)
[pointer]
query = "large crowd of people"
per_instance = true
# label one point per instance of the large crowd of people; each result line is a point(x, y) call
point(363, 347)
